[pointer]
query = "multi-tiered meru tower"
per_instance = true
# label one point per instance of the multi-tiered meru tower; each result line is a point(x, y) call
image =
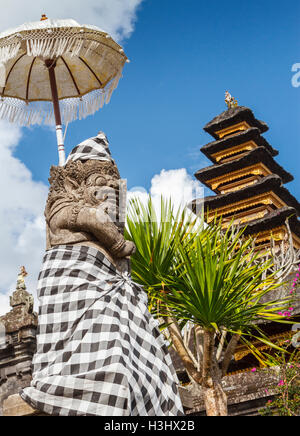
point(247, 180)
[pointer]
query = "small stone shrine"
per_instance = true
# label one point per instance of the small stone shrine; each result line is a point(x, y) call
point(17, 347)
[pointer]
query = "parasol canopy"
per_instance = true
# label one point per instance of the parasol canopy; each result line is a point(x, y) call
point(48, 61)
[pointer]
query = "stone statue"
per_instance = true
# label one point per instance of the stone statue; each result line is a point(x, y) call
point(99, 351)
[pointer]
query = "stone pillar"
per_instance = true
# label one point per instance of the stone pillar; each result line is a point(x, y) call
point(17, 345)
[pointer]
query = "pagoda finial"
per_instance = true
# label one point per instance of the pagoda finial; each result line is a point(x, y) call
point(230, 100)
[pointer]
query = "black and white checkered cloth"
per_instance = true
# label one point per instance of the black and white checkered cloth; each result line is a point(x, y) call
point(96, 148)
point(99, 351)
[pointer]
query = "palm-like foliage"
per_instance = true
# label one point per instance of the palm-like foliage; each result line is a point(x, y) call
point(203, 275)
point(157, 240)
point(218, 283)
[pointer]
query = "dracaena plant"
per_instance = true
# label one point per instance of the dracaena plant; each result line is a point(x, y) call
point(207, 285)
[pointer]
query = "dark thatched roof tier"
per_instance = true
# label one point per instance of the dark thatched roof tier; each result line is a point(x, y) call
point(253, 157)
point(252, 134)
point(273, 220)
point(234, 116)
point(270, 183)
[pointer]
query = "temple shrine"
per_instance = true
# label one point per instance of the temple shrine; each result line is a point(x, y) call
point(247, 180)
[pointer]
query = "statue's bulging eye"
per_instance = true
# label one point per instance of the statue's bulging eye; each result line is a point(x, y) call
point(100, 181)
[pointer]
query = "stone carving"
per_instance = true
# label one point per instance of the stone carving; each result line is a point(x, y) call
point(82, 207)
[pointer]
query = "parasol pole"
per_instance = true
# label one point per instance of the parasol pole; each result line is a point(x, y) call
point(50, 64)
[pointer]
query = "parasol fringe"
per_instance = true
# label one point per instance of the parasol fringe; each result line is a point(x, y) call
point(9, 51)
point(6, 53)
point(16, 111)
point(55, 47)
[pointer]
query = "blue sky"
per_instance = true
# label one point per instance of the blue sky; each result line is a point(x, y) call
point(184, 55)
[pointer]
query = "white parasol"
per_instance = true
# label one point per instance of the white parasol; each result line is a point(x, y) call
point(51, 61)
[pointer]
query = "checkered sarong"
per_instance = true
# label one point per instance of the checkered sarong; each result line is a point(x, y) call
point(99, 351)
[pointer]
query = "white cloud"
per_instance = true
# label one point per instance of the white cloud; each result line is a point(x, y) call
point(117, 17)
point(22, 203)
point(175, 184)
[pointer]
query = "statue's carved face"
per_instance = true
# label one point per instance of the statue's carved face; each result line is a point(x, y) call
point(93, 183)
point(103, 191)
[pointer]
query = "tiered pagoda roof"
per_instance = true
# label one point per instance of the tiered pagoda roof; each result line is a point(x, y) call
point(246, 178)
point(247, 161)
point(251, 138)
point(240, 115)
